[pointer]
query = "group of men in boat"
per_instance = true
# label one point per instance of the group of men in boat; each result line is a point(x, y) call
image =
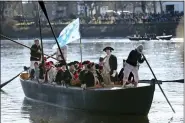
point(87, 73)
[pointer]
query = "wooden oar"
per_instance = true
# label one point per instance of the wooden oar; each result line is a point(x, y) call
point(42, 5)
point(161, 81)
point(24, 45)
point(178, 80)
point(4, 92)
point(158, 83)
point(5, 83)
point(51, 55)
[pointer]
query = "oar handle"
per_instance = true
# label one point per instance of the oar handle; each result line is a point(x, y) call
point(158, 83)
point(42, 5)
point(25, 46)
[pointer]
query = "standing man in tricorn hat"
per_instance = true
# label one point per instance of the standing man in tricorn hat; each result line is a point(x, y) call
point(109, 67)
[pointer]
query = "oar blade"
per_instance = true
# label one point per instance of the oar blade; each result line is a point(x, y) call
point(41, 3)
point(2, 85)
point(5, 83)
point(158, 83)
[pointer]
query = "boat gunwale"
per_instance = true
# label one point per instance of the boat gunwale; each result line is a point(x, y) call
point(26, 84)
point(109, 89)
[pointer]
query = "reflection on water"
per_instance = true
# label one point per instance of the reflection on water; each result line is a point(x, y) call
point(40, 112)
point(165, 58)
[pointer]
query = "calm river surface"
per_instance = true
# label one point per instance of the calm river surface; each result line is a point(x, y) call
point(165, 58)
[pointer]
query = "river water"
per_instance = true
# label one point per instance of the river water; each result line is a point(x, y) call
point(165, 58)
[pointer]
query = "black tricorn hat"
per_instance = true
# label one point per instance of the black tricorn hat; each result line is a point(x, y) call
point(61, 63)
point(108, 48)
point(101, 59)
point(71, 63)
point(57, 65)
point(76, 62)
point(90, 65)
point(97, 66)
point(85, 62)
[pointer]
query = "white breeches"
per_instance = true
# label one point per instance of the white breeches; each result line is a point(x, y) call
point(129, 68)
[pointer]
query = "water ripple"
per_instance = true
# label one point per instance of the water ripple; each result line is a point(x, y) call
point(165, 58)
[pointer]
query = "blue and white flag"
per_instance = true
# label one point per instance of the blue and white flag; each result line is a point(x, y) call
point(69, 34)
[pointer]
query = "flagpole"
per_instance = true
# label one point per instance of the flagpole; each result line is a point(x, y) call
point(40, 30)
point(80, 43)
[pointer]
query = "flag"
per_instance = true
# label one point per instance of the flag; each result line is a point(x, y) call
point(69, 34)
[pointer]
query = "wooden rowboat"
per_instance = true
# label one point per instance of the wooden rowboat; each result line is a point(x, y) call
point(37, 113)
point(166, 37)
point(138, 38)
point(129, 101)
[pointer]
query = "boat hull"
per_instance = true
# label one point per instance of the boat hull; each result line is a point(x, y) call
point(131, 101)
point(167, 37)
point(138, 38)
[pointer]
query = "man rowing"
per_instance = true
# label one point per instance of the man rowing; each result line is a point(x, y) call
point(35, 53)
point(134, 57)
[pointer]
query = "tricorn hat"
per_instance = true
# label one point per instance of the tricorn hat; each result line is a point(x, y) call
point(76, 62)
point(61, 63)
point(101, 59)
point(85, 62)
point(90, 65)
point(71, 63)
point(108, 48)
point(97, 66)
point(57, 65)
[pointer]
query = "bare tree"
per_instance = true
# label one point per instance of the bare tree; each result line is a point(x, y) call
point(154, 6)
point(90, 5)
point(2, 8)
point(97, 5)
point(143, 6)
point(16, 7)
point(35, 13)
point(161, 6)
point(134, 5)
point(123, 4)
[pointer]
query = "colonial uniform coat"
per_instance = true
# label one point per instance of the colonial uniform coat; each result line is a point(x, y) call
point(59, 77)
point(63, 76)
point(35, 55)
point(89, 79)
point(113, 67)
point(110, 68)
point(82, 72)
point(81, 76)
point(99, 76)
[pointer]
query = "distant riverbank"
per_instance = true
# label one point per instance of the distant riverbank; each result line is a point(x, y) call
point(99, 30)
